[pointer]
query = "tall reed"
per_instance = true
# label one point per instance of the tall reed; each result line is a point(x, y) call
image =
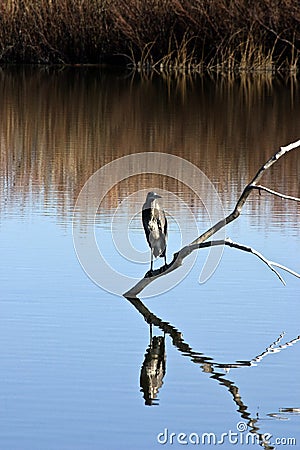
point(222, 35)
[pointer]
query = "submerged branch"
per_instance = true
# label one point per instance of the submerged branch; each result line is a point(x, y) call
point(200, 241)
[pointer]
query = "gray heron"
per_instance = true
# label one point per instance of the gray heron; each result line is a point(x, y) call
point(155, 226)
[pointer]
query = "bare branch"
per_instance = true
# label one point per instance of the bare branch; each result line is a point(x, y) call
point(246, 192)
point(256, 253)
point(280, 266)
point(248, 249)
point(185, 251)
point(200, 241)
point(278, 194)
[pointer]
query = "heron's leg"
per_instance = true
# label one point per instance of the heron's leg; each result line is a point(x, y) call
point(165, 259)
point(151, 267)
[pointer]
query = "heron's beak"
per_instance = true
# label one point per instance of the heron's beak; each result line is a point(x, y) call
point(157, 196)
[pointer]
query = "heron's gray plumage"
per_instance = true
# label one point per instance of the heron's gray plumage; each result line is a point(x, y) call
point(155, 226)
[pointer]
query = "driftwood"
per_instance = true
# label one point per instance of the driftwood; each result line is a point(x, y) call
point(200, 241)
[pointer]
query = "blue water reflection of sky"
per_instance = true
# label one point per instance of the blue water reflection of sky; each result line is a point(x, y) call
point(71, 353)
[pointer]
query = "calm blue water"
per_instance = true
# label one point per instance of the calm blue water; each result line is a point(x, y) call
point(72, 353)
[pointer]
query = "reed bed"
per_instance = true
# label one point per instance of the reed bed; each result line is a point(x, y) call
point(162, 35)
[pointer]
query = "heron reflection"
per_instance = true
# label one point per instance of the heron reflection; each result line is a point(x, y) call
point(154, 367)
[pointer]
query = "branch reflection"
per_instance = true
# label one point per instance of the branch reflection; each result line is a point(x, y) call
point(154, 366)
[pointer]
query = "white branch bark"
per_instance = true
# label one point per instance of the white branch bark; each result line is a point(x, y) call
point(200, 241)
point(278, 194)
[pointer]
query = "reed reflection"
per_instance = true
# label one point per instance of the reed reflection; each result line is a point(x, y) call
point(151, 385)
point(153, 369)
point(58, 127)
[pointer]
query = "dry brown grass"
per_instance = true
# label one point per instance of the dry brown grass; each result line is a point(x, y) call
point(222, 35)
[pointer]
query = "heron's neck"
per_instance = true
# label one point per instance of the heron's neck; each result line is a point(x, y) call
point(155, 204)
